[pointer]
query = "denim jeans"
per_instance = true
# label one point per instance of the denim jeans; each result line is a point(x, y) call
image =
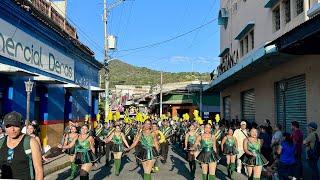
point(313, 164)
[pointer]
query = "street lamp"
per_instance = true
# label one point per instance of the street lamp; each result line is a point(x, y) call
point(29, 86)
point(283, 88)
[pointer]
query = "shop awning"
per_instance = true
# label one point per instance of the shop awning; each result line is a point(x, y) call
point(47, 80)
point(244, 30)
point(255, 62)
point(11, 70)
point(226, 50)
point(270, 3)
point(72, 86)
point(96, 89)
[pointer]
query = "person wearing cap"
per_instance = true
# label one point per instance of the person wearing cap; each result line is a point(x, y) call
point(20, 154)
point(240, 134)
point(310, 143)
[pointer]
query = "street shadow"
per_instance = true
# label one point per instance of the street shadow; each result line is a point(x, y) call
point(180, 165)
point(65, 175)
point(139, 168)
point(104, 172)
point(179, 151)
point(124, 160)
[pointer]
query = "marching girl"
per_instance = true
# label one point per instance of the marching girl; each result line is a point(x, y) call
point(119, 140)
point(208, 156)
point(69, 138)
point(189, 142)
point(229, 148)
point(148, 149)
point(84, 152)
point(253, 158)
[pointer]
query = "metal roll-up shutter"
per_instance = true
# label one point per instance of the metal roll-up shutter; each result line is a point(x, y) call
point(291, 102)
point(227, 108)
point(248, 105)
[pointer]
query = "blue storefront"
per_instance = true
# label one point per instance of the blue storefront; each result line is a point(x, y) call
point(64, 71)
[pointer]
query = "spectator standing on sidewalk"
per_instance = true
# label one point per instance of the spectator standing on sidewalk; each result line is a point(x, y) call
point(312, 157)
point(266, 146)
point(287, 160)
point(20, 154)
point(240, 134)
point(275, 141)
point(297, 138)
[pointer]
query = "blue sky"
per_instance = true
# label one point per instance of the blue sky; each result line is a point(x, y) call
point(141, 22)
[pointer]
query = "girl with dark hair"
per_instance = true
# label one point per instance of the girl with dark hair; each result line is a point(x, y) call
point(148, 149)
point(229, 148)
point(252, 158)
point(84, 152)
point(69, 138)
point(208, 156)
point(189, 142)
point(287, 161)
point(119, 140)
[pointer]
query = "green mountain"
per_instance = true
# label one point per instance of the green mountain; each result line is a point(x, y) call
point(122, 73)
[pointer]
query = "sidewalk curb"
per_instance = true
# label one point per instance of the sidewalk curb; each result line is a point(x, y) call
point(54, 165)
point(56, 168)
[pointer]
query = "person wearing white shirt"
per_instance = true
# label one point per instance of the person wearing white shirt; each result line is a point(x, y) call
point(240, 134)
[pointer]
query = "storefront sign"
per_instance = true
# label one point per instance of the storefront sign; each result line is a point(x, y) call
point(228, 61)
point(22, 47)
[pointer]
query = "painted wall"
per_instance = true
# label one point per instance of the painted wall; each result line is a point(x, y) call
point(263, 84)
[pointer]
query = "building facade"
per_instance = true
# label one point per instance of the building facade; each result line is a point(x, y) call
point(37, 43)
point(266, 70)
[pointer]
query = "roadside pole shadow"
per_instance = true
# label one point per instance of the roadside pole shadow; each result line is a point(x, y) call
point(180, 165)
point(103, 173)
point(65, 175)
point(124, 160)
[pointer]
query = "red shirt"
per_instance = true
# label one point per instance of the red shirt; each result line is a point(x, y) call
point(297, 138)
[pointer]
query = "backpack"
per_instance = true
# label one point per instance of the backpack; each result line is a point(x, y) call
point(314, 152)
point(27, 151)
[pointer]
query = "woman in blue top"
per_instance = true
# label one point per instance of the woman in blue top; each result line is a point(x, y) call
point(208, 153)
point(287, 161)
point(119, 140)
point(189, 142)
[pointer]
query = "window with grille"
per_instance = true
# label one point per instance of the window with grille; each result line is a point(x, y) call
point(241, 48)
point(252, 39)
point(287, 11)
point(246, 43)
point(276, 18)
point(227, 108)
point(299, 4)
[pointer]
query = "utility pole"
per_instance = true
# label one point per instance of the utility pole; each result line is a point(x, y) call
point(200, 108)
point(106, 9)
point(160, 94)
point(106, 59)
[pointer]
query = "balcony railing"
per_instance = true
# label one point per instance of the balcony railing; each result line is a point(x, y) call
point(46, 8)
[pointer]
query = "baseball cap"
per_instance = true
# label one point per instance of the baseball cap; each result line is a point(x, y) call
point(243, 123)
point(313, 125)
point(13, 118)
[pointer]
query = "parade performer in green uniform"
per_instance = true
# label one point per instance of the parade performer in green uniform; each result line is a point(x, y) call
point(229, 148)
point(148, 149)
point(190, 140)
point(208, 156)
point(164, 146)
point(253, 158)
point(119, 140)
point(107, 131)
point(69, 138)
point(84, 152)
point(161, 138)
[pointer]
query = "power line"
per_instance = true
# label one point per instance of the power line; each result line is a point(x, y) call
point(170, 39)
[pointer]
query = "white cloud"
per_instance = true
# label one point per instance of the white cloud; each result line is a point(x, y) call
point(194, 60)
